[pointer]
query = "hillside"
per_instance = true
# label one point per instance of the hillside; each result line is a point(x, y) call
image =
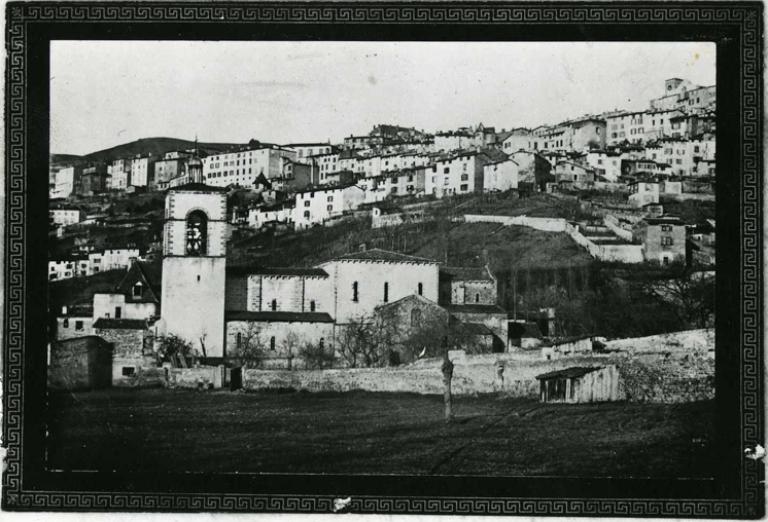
point(155, 146)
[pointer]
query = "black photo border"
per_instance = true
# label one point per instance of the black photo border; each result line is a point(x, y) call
point(736, 27)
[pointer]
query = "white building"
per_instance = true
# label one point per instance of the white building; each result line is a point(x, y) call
point(642, 193)
point(315, 206)
point(278, 213)
point(460, 173)
point(242, 167)
point(451, 141)
point(304, 151)
point(626, 126)
point(519, 139)
point(66, 215)
point(64, 182)
point(606, 164)
point(112, 259)
point(500, 175)
point(682, 94)
point(365, 280)
point(141, 170)
point(683, 156)
point(120, 173)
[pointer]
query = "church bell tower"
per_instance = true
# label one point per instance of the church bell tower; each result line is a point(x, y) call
point(194, 264)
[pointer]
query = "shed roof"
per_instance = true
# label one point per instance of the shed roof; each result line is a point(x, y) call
point(570, 373)
point(466, 273)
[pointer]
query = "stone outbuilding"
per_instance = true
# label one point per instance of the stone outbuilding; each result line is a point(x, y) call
point(80, 363)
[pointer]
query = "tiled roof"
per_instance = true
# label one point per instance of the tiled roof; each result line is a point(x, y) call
point(470, 273)
point(384, 256)
point(477, 329)
point(120, 324)
point(570, 373)
point(197, 187)
point(280, 271)
point(475, 309)
point(279, 317)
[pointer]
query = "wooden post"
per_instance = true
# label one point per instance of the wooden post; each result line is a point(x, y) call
point(447, 369)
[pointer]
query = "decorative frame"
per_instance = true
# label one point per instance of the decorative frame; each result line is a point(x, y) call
point(736, 26)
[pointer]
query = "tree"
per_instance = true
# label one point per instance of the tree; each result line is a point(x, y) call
point(317, 356)
point(691, 294)
point(250, 347)
point(175, 349)
point(365, 341)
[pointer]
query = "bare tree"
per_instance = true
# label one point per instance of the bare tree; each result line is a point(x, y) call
point(365, 341)
point(291, 345)
point(250, 346)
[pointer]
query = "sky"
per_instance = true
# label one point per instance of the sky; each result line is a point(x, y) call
point(105, 93)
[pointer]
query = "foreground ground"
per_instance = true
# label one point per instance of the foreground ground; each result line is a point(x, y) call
point(375, 433)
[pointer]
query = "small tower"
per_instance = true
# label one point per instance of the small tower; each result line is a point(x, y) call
point(194, 263)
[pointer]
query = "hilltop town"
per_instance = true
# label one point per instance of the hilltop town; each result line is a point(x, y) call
point(387, 248)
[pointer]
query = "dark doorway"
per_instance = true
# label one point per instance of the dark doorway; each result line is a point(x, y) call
point(236, 379)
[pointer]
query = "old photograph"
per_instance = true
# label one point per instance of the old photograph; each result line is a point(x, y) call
point(382, 258)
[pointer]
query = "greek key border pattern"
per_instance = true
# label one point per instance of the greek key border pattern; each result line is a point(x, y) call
point(22, 16)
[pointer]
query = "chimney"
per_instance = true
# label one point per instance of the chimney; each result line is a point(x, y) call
point(63, 310)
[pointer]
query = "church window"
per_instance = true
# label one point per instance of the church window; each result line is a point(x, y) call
point(274, 305)
point(197, 233)
point(415, 317)
point(239, 339)
point(477, 298)
point(272, 343)
point(386, 292)
point(421, 289)
point(311, 306)
point(354, 292)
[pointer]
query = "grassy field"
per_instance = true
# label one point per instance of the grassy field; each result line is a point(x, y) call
point(362, 432)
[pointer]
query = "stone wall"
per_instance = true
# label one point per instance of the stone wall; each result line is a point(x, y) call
point(664, 381)
point(545, 224)
point(202, 377)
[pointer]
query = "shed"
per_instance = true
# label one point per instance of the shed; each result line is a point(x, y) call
point(580, 384)
point(80, 363)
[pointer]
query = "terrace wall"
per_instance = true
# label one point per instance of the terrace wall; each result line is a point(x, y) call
point(545, 224)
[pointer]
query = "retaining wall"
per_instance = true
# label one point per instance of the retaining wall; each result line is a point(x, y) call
point(545, 224)
point(205, 377)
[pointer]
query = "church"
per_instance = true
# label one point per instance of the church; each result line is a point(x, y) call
point(218, 309)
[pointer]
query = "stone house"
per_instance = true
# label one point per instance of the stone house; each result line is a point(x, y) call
point(572, 173)
point(663, 239)
point(492, 316)
point(500, 175)
point(468, 285)
point(133, 347)
point(643, 193)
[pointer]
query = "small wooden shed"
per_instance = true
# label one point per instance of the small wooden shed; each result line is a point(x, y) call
point(580, 384)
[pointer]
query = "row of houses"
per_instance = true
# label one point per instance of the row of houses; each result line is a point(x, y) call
point(91, 263)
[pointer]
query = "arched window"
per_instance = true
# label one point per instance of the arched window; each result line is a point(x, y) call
point(354, 291)
point(386, 292)
point(274, 306)
point(311, 306)
point(239, 339)
point(421, 289)
point(477, 298)
point(415, 317)
point(197, 233)
point(272, 343)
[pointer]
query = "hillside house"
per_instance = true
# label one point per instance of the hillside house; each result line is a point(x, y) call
point(500, 175)
point(643, 193)
point(316, 205)
point(390, 216)
point(459, 173)
point(663, 239)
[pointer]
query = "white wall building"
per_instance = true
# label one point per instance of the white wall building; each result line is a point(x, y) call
point(643, 193)
point(365, 280)
point(242, 167)
point(460, 173)
point(279, 213)
point(64, 182)
point(500, 175)
point(142, 168)
point(606, 164)
point(119, 174)
point(66, 216)
point(683, 156)
point(317, 205)
point(305, 150)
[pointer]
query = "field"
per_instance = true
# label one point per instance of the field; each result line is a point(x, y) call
point(360, 432)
